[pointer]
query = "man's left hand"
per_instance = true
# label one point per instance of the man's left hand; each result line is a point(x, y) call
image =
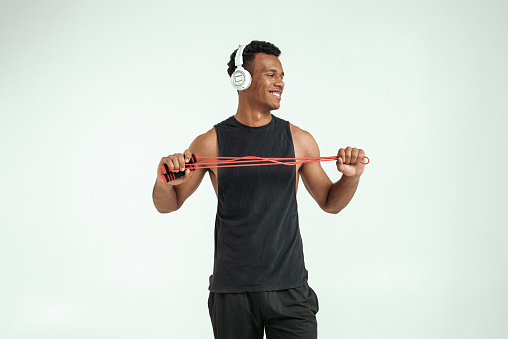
point(349, 162)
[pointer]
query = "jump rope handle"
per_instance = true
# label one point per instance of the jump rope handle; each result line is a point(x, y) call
point(168, 175)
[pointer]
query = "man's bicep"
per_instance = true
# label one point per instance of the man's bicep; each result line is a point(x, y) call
point(203, 145)
point(185, 190)
point(313, 176)
point(316, 181)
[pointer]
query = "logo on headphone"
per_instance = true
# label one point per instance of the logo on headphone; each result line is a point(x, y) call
point(239, 78)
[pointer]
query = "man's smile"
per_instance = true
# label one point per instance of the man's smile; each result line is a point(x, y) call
point(276, 94)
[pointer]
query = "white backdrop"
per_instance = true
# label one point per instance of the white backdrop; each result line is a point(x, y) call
point(94, 93)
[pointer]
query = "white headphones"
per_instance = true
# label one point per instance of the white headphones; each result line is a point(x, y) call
point(241, 78)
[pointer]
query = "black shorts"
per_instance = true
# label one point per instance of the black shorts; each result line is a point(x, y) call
point(284, 314)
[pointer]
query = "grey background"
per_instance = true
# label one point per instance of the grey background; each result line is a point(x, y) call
point(94, 93)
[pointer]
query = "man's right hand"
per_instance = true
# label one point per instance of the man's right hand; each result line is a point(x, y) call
point(176, 161)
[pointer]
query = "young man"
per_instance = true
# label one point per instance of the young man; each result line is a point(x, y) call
point(259, 280)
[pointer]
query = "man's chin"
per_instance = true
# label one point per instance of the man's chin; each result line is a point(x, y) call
point(272, 107)
point(276, 107)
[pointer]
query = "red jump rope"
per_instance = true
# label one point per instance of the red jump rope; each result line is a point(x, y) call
point(212, 162)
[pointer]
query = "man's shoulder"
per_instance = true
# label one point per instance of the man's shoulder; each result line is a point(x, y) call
point(209, 136)
point(299, 133)
point(304, 142)
point(205, 144)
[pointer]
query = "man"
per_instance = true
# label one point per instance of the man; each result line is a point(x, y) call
point(259, 280)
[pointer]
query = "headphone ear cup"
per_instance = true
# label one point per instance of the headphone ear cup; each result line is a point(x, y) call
point(241, 79)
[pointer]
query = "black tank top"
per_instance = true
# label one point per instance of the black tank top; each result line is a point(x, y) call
point(258, 246)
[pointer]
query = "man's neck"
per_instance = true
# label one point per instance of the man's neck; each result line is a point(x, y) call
point(251, 116)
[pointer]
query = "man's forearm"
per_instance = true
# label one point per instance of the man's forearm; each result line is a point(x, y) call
point(165, 198)
point(341, 193)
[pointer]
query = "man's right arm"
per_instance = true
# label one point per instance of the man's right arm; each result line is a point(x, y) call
point(169, 197)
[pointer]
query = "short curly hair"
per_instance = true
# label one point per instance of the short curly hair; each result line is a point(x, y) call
point(250, 52)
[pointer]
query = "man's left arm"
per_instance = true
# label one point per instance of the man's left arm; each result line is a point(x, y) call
point(331, 197)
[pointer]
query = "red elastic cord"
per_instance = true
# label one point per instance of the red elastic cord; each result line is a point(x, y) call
point(212, 162)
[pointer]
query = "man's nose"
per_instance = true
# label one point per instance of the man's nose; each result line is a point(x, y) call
point(279, 82)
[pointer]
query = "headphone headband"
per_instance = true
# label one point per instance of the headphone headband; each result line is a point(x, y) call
point(239, 55)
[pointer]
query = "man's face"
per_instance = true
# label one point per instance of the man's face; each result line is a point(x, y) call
point(267, 82)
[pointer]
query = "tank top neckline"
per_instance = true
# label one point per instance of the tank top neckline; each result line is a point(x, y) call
point(259, 128)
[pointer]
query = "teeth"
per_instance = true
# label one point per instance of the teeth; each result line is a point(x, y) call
point(276, 94)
